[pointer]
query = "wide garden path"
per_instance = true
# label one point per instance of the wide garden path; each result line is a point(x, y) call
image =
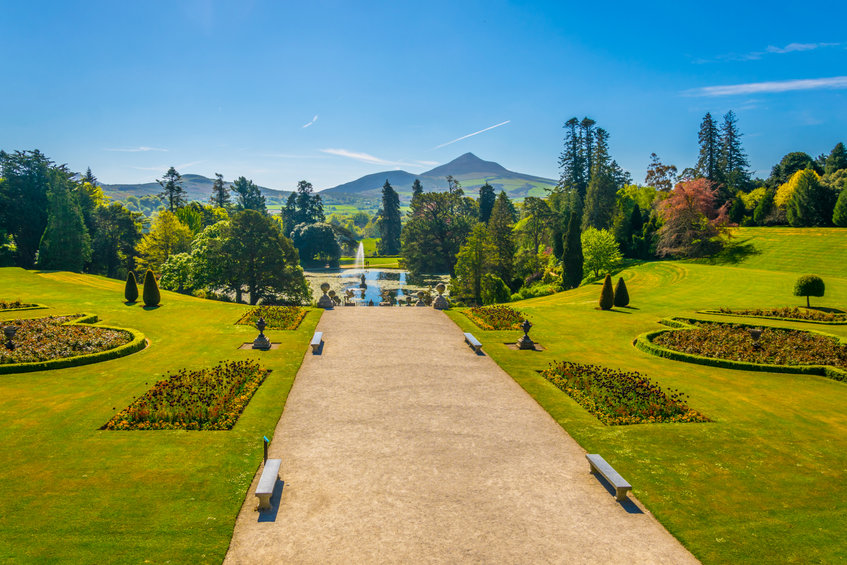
point(400, 445)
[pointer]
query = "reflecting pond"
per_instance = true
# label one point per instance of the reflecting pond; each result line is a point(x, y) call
point(376, 281)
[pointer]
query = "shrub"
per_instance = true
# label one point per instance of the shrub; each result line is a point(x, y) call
point(494, 290)
point(151, 289)
point(809, 285)
point(621, 294)
point(607, 295)
point(131, 288)
point(276, 317)
point(15, 305)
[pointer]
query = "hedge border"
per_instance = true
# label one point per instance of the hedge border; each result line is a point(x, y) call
point(33, 307)
point(822, 322)
point(644, 342)
point(138, 342)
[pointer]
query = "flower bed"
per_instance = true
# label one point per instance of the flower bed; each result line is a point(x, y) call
point(794, 313)
point(619, 398)
point(497, 317)
point(276, 317)
point(53, 337)
point(778, 346)
point(207, 399)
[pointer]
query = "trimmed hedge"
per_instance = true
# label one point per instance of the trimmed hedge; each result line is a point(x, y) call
point(644, 342)
point(139, 342)
point(824, 322)
point(31, 307)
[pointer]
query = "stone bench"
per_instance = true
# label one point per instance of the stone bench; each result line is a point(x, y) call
point(473, 342)
point(317, 339)
point(599, 465)
point(267, 483)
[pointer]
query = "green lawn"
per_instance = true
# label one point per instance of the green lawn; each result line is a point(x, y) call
point(72, 493)
point(764, 481)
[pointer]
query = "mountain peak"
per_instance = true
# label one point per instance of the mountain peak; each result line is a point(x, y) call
point(467, 164)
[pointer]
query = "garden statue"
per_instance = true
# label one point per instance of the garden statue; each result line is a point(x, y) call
point(524, 342)
point(756, 333)
point(441, 302)
point(420, 301)
point(325, 301)
point(9, 332)
point(362, 284)
point(261, 341)
point(348, 298)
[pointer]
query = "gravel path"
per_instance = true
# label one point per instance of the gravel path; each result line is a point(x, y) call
point(400, 445)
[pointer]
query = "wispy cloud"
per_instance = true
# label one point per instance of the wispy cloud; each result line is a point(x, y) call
point(164, 168)
point(471, 134)
point(770, 50)
point(141, 149)
point(315, 119)
point(428, 163)
point(830, 83)
point(370, 159)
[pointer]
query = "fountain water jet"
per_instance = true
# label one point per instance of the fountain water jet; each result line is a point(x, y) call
point(360, 258)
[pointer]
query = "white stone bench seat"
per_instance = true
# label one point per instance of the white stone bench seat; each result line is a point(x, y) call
point(599, 465)
point(473, 342)
point(267, 482)
point(316, 341)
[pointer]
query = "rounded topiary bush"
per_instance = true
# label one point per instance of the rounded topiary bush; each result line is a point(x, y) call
point(151, 290)
point(607, 295)
point(131, 288)
point(809, 285)
point(621, 294)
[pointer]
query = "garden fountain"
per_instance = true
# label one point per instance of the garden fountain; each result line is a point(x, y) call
point(359, 264)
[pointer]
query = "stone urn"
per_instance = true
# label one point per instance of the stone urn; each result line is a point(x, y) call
point(524, 342)
point(440, 302)
point(421, 301)
point(325, 301)
point(261, 342)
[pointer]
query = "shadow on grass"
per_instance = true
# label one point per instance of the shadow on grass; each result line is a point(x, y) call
point(735, 252)
point(626, 504)
point(153, 307)
point(133, 303)
point(269, 514)
point(827, 310)
point(615, 311)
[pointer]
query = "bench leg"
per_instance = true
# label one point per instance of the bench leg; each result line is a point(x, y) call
point(620, 494)
point(264, 501)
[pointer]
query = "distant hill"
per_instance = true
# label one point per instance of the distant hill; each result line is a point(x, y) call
point(471, 171)
point(197, 188)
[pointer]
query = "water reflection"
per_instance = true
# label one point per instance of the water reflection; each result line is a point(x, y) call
point(398, 281)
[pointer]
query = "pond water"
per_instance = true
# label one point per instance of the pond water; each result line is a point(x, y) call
point(399, 281)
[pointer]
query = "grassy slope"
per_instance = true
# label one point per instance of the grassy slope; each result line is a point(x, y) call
point(763, 482)
point(70, 492)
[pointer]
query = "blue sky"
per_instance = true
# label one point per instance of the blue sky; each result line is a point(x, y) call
point(330, 91)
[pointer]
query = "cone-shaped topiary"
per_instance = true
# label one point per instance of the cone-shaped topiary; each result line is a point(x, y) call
point(151, 289)
point(131, 288)
point(607, 295)
point(621, 294)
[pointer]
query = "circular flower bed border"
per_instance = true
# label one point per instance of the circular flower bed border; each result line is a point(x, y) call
point(138, 342)
point(824, 322)
point(644, 342)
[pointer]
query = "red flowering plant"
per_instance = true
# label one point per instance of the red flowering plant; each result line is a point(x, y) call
point(44, 339)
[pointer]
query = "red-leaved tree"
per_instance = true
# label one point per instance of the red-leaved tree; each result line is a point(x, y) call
point(693, 225)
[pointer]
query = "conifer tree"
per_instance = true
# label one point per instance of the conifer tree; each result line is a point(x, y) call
point(599, 202)
point(417, 189)
point(502, 237)
point(572, 256)
point(173, 195)
point(607, 295)
point(131, 288)
point(389, 221)
point(621, 294)
point(709, 140)
point(836, 160)
point(65, 244)
point(808, 203)
point(249, 197)
point(220, 192)
point(571, 161)
point(733, 161)
point(151, 295)
point(486, 202)
point(839, 215)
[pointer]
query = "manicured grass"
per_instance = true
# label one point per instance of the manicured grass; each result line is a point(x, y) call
point(762, 482)
point(373, 262)
point(75, 494)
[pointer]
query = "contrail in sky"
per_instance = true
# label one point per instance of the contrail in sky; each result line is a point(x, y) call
point(315, 119)
point(471, 134)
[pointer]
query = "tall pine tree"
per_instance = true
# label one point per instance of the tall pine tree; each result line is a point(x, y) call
point(486, 202)
point(572, 257)
point(173, 195)
point(732, 161)
point(220, 192)
point(66, 244)
point(708, 165)
point(571, 161)
point(249, 196)
point(417, 189)
point(500, 230)
point(389, 222)
point(836, 160)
